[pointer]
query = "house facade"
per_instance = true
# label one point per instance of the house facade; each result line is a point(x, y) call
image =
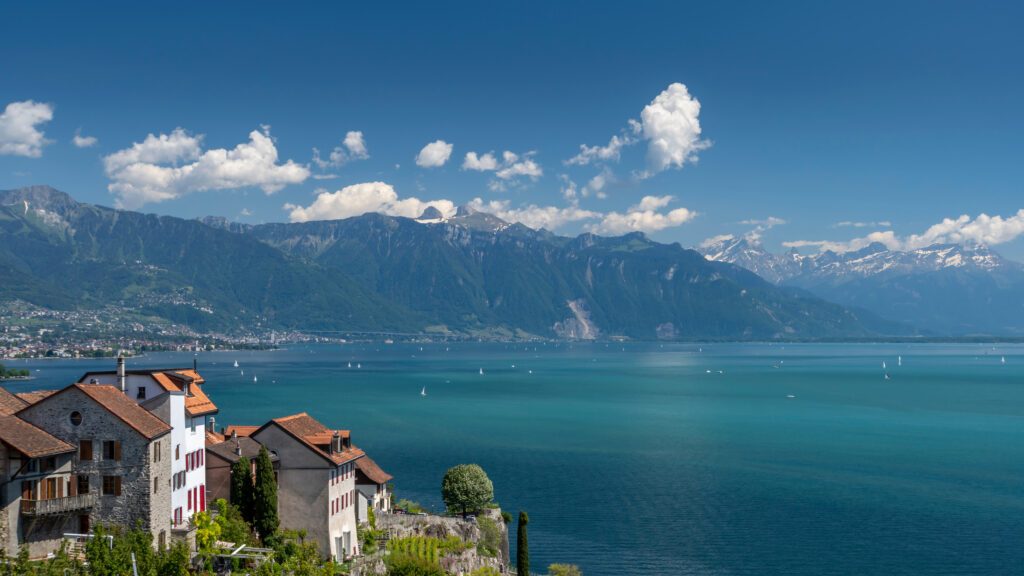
point(152, 389)
point(373, 491)
point(118, 470)
point(316, 481)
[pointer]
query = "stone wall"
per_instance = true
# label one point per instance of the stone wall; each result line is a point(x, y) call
point(137, 504)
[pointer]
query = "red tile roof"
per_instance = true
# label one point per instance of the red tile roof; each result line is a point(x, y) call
point(29, 440)
point(303, 427)
point(9, 403)
point(240, 430)
point(365, 466)
point(197, 403)
point(115, 402)
point(35, 395)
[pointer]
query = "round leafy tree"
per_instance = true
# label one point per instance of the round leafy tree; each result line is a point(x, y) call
point(466, 488)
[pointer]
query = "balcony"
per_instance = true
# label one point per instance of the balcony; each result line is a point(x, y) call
point(54, 506)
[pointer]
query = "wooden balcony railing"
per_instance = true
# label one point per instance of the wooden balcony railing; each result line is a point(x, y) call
point(65, 505)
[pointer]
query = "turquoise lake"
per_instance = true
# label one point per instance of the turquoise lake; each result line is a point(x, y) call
point(678, 458)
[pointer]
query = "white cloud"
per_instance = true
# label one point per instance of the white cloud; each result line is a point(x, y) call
point(434, 154)
point(353, 147)
point(643, 217)
point(534, 216)
point(19, 128)
point(359, 199)
point(611, 152)
point(983, 229)
point(849, 224)
point(515, 166)
point(83, 141)
point(482, 163)
point(768, 222)
point(245, 212)
point(171, 165)
point(671, 126)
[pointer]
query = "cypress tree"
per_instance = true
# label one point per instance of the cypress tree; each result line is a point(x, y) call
point(522, 547)
point(241, 488)
point(265, 518)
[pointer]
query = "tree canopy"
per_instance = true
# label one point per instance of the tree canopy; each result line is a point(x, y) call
point(466, 488)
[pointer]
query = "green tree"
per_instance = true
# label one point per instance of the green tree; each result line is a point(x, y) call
point(233, 528)
point(408, 565)
point(564, 570)
point(465, 488)
point(265, 519)
point(241, 488)
point(522, 547)
point(207, 532)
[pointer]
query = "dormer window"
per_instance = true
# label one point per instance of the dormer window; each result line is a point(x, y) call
point(141, 393)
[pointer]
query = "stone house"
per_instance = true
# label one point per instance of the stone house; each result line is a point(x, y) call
point(151, 389)
point(39, 501)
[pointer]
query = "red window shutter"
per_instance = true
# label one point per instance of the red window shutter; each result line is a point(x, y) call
point(202, 497)
point(189, 499)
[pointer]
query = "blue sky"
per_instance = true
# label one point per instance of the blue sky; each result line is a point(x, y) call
point(813, 113)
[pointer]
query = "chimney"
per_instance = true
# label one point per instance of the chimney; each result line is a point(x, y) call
point(120, 372)
point(335, 442)
point(213, 424)
point(238, 445)
point(195, 363)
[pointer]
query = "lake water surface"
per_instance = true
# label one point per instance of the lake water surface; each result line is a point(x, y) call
point(678, 458)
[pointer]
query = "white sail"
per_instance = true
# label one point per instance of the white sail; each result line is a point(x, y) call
point(423, 392)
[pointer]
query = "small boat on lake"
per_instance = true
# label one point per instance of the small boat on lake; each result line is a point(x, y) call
point(423, 392)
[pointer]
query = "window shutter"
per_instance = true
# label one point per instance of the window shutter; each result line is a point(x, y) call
point(117, 456)
point(85, 450)
point(72, 486)
point(117, 479)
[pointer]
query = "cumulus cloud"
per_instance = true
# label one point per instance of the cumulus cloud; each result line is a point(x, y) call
point(983, 229)
point(609, 153)
point(514, 166)
point(434, 155)
point(481, 163)
point(643, 217)
point(849, 224)
point(670, 125)
point(534, 216)
point(761, 226)
point(353, 147)
point(83, 141)
point(359, 199)
point(172, 165)
point(19, 128)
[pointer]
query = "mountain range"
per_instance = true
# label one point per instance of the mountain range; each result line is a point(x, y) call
point(469, 275)
point(943, 289)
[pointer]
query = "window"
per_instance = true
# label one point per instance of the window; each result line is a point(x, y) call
point(189, 499)
point(156, 452)
point(76, 418)
point(85, 450)
point(141, 393)
point(112, 450)
point(192, 423)
point(177, 452)
point(83, 484)
point(156, 484)
point(111, 485)
point(49, 464)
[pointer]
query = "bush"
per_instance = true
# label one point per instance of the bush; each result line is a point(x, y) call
point(490, 537)
point(564, 570)
point(404, 565)
point(409, 506)
point(485, 571)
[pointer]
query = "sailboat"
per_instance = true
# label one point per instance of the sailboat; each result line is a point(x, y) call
point(253, 379)
point(359, 365)
point(1002, 359)
point(481, 371)
point(883, 364)
point(236, 363)
point(899, 360)
point(243, 372)
point(423, 392)
point(349, 364)
point(886, 375)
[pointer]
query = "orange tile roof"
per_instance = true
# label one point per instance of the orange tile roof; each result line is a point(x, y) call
point(368, 468)
point(35, 395)
point(303, 426)
point(9, 403)
point(240, 430)
point(164, 381)
point(115, 401)
point(192, 374)
point(197, 402)
point(172, 380)
point(30, 440)
point(213, 438)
